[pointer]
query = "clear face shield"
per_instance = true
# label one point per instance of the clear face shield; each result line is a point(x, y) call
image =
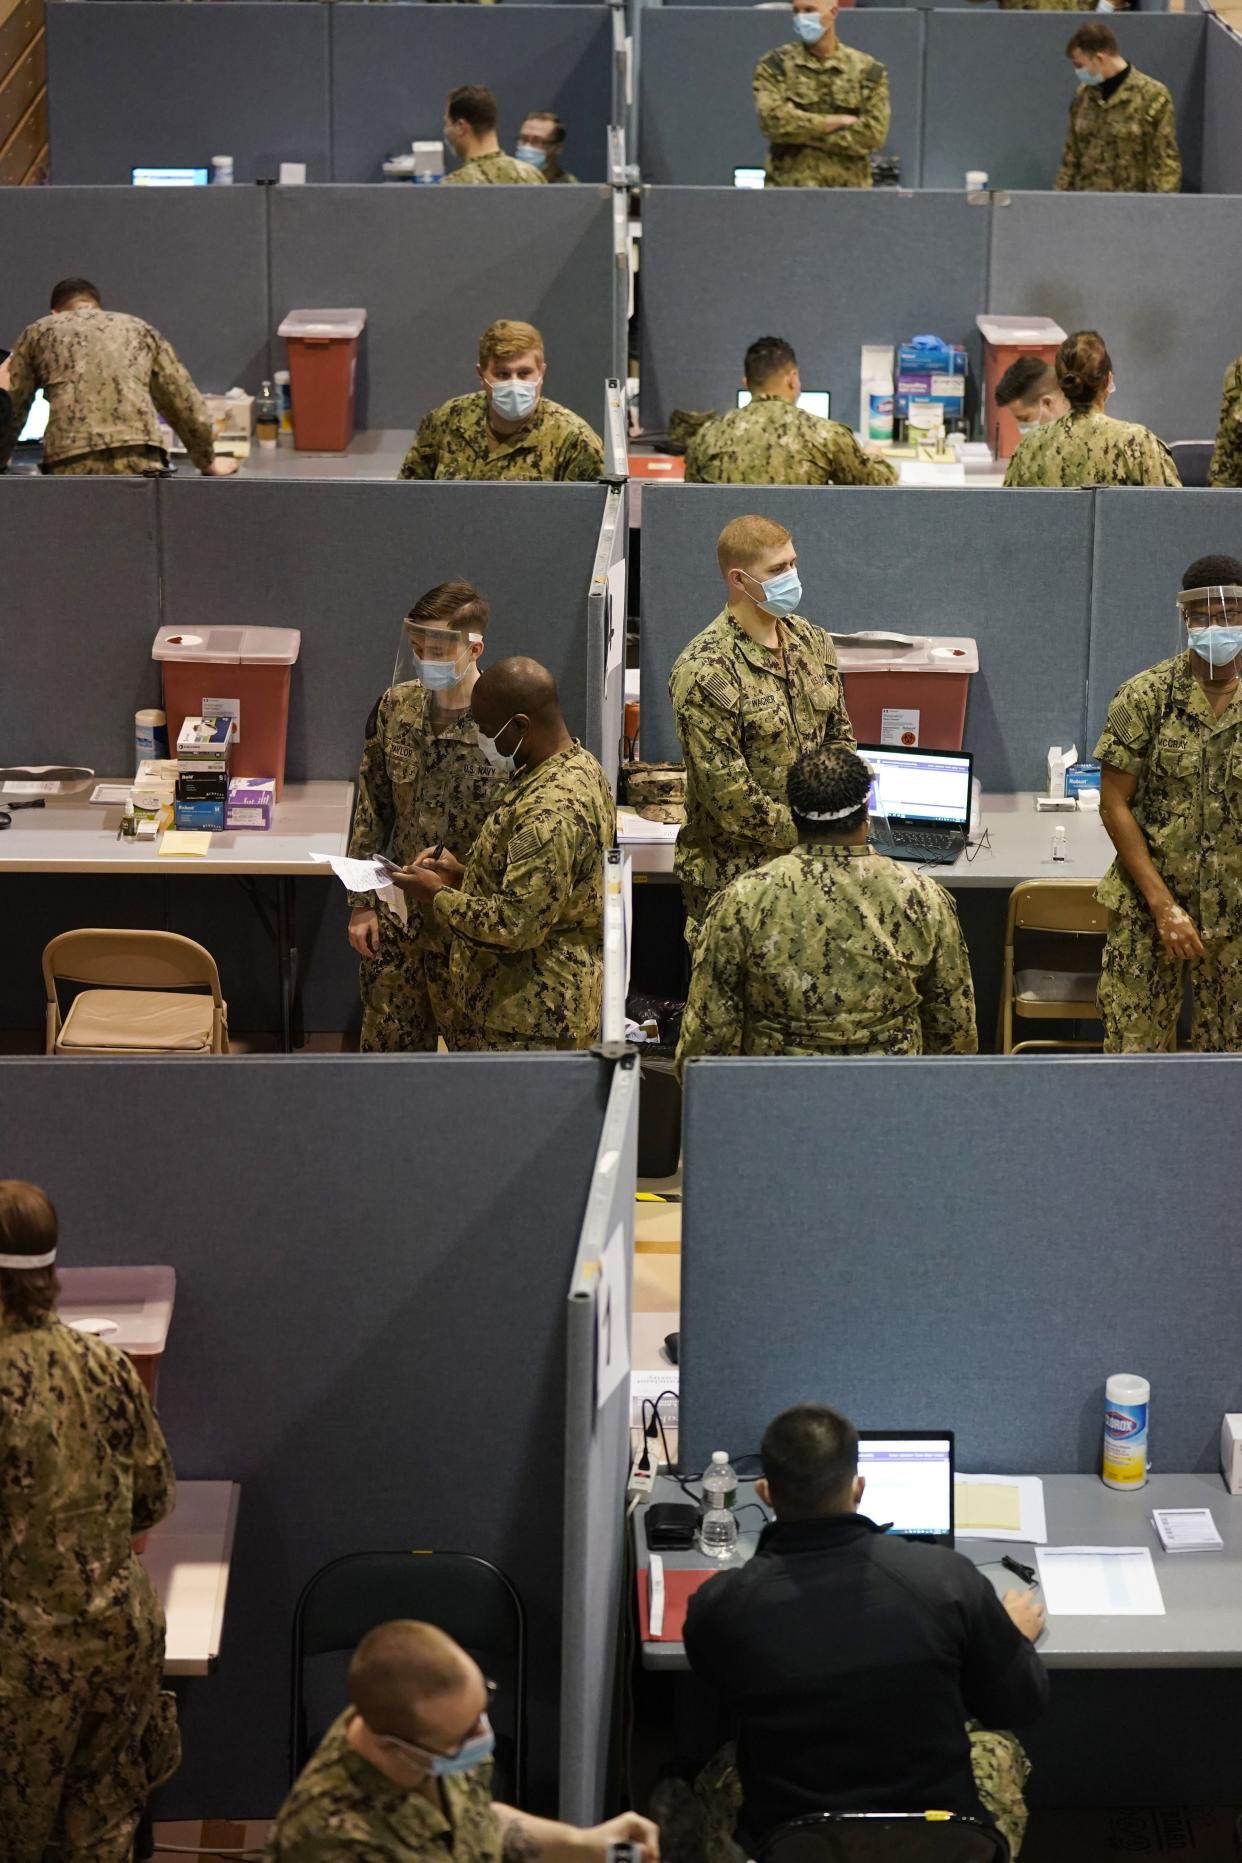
point(438, 657)
point(1210, 624)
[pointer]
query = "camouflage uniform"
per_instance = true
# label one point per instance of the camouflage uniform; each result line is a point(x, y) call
point(774, 442)
point(554, 175)
point(1086, 448)
point(417, 786)
point(794, 90)
point(455, 441)
point(1162, 730)
point(527, 921)
point(342, 1808)
point(1125, 143)
point(1047, 6)
point(85, 1733)
point(998, 1761)
point(105, 375)
point(742, 721)
point(830, 950)
point(497, 169)
point(1227, 454)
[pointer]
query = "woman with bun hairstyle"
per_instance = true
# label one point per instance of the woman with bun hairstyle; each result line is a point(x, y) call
point(1086, 446)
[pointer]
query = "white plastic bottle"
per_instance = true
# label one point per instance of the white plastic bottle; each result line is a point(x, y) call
point(718, 1525)
point(878, 413)
point(222, 171)
point(1127, 1401)
point(150, 735)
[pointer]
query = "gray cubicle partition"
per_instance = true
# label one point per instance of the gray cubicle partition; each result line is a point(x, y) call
point(930, 1259)
point(373, 1348)
point(132, 84)
point(606, 629)
point(597, 1461)
point(1222, 121)
point(998, 565)
point(1125, 265)
point(393, 67)
point(435, 266)
point(695, 133)
point(857, 267)
point(998, 87)
point(194, 267)
point(1142, 546)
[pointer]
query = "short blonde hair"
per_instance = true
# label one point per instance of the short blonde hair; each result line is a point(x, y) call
point(747, 539)
point(505, 339)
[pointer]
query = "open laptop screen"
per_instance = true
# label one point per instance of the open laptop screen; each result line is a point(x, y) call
point(811, 401)
point(930, 786)
point(909, 1482)
point(169, 177)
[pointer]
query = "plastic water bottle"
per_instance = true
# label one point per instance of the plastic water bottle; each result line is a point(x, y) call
point(718, 1526)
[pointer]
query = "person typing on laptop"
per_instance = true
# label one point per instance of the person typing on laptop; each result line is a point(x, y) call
point(862, 1672)
point(834, 948)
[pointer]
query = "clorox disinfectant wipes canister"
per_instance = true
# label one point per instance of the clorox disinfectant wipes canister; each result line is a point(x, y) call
point(1126, 1402)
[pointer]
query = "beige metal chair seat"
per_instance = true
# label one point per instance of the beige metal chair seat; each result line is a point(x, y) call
point(1034, 988)
point(142, 992)
point(1059, 925)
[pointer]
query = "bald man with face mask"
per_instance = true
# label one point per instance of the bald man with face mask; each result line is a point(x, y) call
point(526, 909)
point(823, 106)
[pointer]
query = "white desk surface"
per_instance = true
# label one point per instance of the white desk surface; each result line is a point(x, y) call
point(376, 453)
point(1202, 1625)
point(187, 1560)
point(1019, 847)
point(69, 835)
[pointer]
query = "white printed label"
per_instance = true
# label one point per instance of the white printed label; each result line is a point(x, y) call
point(225, 708)
point(899, 727)
point(30, 789)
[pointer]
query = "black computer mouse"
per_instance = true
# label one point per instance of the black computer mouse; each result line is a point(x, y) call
point(672, 1345)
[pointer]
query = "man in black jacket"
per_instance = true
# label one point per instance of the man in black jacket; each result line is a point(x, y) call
point(852, 1661)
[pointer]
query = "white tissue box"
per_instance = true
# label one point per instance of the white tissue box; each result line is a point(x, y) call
point(1231, 1451)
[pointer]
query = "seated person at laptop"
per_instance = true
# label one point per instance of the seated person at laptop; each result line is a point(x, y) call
point(834, 948)
point(106, 375)
point(772, 441)
point(862, 1671)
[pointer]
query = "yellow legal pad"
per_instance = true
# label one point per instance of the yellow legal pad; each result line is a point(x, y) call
point(185, 841)
point(987, 1504)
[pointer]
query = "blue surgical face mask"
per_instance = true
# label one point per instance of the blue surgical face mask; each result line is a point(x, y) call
point(514, 400)
point(473, 1753)
point(1217, 645)
point(781, 594)
point(527, 152)
point(809, 27)
point(437, 675)
point(497, 759)
point(1088, 77)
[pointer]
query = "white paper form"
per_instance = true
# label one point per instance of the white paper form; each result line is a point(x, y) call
point(999, 1507)
point(1099, 1581)
point(367, 876)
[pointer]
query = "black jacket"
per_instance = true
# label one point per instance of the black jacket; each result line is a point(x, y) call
point(851, 1662)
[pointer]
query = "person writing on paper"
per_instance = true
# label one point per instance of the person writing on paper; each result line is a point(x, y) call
point(772, 441)
point(106, 376)
point(832, 949)
point(508, 429)
point(750, 694)
point(1086, 446)
point(404, 1774)
point(526, 910)
point(423, 780)
point(862, 1672)
point(822, 105)
point(1170, 756)
point(86, 1733)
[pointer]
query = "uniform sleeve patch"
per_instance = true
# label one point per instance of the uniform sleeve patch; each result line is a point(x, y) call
point(526, 844)
point(717, 687)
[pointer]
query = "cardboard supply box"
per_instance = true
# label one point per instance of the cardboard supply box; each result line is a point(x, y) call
point(1096, 1836)
point(251, 802)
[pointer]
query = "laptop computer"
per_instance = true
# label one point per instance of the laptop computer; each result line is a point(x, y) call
point(909, 1476)
point(168, 177)
point(30, 439)
point(749, 178)
point(920, 802)
point(811, 401)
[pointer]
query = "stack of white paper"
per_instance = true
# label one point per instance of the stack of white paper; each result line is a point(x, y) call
point(1099, 1581)
point(1186, 1529)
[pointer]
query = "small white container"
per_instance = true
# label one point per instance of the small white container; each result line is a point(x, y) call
point(976, 180)
point(150, 735)
point(222, 171)
point(1127, 1401)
